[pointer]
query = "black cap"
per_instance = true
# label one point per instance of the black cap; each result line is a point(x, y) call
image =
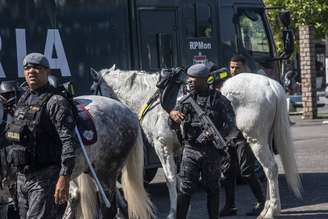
point(198, 71)
point(36, 59)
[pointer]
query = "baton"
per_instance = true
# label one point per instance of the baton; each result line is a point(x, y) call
point(93, 172)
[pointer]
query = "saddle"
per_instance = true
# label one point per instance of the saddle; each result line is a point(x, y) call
point(168, 85)
point(84, 122)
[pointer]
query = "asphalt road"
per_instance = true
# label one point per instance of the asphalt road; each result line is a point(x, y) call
point(311, 145)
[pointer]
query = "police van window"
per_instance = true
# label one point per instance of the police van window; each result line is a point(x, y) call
point(204, 21)
point(190, 19)
point(253, 33)
point(198, 20)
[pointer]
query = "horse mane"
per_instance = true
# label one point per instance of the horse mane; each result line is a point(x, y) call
point(134, 88)
point(132, 79)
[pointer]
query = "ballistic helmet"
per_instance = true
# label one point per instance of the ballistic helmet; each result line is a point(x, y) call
point(8, 86)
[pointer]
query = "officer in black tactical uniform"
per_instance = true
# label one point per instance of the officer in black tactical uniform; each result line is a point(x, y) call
point(43, 143)
point(201, 159)
point(8, 94)
point(240, 158)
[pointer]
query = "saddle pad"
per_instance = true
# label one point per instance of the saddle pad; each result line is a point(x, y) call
point(85, 124)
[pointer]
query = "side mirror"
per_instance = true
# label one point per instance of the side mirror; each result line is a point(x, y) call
point(288, 41)
point(284, 17)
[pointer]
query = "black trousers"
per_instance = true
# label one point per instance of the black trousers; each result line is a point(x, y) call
point(240, 158)
point(199, 162)
point(35, 192)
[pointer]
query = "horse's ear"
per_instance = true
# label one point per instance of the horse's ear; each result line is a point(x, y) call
point(94, 74)
point(113, 68)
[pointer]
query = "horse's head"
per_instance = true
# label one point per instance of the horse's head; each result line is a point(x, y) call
point(98, 86)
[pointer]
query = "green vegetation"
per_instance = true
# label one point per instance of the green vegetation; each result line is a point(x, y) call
point(304, 12)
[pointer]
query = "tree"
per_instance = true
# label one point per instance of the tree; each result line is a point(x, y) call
point(304, 12)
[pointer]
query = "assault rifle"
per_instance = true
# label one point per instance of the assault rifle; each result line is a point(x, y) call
point(209, 129)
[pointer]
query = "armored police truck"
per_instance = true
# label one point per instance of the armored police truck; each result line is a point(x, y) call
point(135, 34)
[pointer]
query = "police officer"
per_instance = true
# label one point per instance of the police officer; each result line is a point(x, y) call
point(201, 159)
point(240, 158)
point(43, 142)
point(8, 93)
point(238, 65)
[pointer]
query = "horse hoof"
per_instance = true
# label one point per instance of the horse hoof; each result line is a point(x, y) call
point(271, 213)
point(264, 212)
point(171, 216)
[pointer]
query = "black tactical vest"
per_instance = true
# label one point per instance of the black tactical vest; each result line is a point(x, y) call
point(192, 127)
point(35, 140)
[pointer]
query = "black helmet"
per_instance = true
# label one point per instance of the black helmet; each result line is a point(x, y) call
point(8, 93)
point(8, 86)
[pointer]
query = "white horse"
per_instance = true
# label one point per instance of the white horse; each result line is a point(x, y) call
point(134, 89)
point(118, 147)
point(261, 114)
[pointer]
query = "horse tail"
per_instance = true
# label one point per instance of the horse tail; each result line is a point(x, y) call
point(139, 203)
point(283, 140)
point(88, 204)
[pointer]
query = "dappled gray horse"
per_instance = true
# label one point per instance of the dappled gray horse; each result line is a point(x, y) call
point(134, 89)
point(261, 114)
point(118, 147)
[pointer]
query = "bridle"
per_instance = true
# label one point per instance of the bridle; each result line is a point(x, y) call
point(6, 110)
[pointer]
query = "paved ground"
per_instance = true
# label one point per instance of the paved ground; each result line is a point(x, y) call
point(311, 144)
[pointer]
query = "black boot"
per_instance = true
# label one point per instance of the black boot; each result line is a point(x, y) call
point(109, 213)
point(229, 208)
point(213, 206)
point(182, 206)
point(256, 188)
point(256, 211)
point(121, 203)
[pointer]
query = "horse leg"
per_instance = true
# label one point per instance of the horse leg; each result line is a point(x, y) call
point(72, 202)
point(166, 158)
point(86, 192)
point(264, 155)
